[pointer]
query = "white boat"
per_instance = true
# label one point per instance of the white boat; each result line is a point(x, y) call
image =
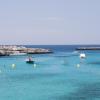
point(82, 55)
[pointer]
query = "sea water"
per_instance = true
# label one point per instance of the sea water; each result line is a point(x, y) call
point(61, 75)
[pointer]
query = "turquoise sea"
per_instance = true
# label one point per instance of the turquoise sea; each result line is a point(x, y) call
point(61, 75)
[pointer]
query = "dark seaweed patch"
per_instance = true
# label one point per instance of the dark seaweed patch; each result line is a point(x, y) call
point(85, 92)
point(95, 63)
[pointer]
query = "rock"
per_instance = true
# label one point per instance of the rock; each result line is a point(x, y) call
point(8, 50)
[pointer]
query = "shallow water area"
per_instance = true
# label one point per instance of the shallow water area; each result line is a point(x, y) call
point(58, 76)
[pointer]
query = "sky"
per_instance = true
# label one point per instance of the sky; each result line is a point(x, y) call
point(49, 22)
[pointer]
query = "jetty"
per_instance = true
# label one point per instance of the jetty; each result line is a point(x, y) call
point(88, 48)
point(7, 50)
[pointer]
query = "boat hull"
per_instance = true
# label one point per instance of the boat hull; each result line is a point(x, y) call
point(30, 62)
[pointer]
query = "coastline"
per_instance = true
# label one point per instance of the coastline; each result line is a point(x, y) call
point(88, 48)
point(7, 50)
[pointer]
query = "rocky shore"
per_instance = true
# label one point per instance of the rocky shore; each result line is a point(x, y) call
point(6, 50)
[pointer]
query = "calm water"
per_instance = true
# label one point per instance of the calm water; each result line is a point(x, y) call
point(55, 77)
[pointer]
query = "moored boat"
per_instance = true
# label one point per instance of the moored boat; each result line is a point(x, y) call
point(82, 55)
point(29, 60)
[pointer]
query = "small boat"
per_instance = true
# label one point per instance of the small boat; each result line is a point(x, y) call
point(29, 60)
point(82, 55)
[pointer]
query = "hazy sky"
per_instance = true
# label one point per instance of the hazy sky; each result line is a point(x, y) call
point(49, 21)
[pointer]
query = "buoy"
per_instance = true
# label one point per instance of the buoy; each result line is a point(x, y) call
point(13, 66)
point(78, 65)
point(0, 72)
point(82, 55)
point(34, 65)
